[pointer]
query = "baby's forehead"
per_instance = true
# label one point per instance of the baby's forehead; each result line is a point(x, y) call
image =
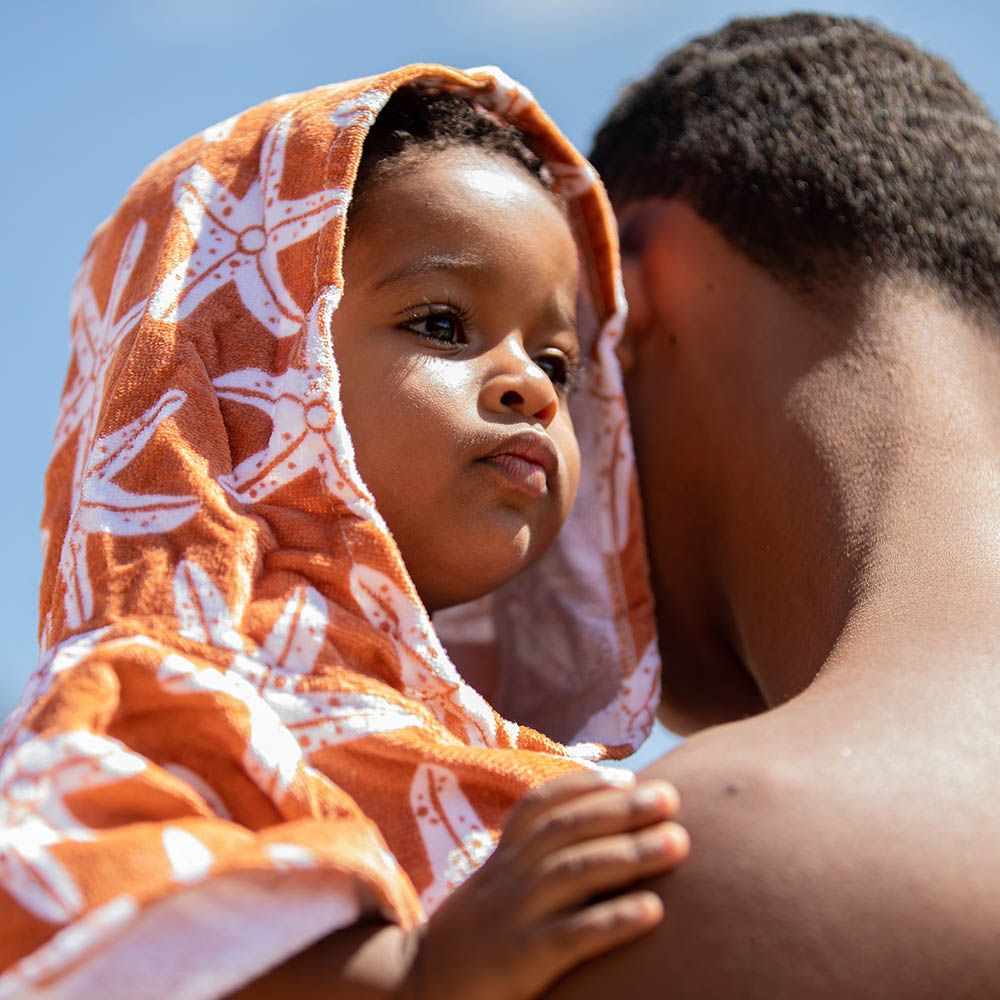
point(459, 199)
point(439, 169)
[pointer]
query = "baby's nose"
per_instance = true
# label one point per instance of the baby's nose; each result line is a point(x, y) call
point(518, 385)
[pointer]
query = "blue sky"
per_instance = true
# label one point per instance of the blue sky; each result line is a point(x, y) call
point(94, 91)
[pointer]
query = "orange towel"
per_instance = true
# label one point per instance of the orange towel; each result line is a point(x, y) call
point(245, 731)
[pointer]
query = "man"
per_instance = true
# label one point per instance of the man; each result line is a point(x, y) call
point(810, 213)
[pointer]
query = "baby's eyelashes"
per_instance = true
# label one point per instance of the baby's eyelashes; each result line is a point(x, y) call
point(564, 371)
point(444, 323)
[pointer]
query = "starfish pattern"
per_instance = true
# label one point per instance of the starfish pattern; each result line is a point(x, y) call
point(189, 859)
point(506, 97)
point(272, 756)
point(102, 506)
point(454, 836)
point(296, 638)
point(308, 429)
point(360, 110)
point(424, 664)
point(572, 179)
point(68, 654)
point(96, 337)
point(316, 718)
point(294, 642)
point(632, 713)
point(221, 130)
point(238, 239)
point(202, 611)
point(34, 782)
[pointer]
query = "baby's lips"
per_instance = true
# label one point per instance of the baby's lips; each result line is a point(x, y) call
point(535, 447)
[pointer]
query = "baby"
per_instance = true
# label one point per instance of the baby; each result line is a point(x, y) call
point(292, 429)
point(458, 351)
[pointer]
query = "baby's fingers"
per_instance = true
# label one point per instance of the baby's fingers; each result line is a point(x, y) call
point(553, 794)
point(567, 941)
point(600, 814)
point(571, 877)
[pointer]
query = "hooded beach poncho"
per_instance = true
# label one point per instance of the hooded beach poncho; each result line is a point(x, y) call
point(245, 732)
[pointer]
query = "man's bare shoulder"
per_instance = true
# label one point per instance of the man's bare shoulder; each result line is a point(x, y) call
point(835, 854)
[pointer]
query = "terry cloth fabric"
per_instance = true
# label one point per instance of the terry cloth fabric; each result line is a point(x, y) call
point(245, 732)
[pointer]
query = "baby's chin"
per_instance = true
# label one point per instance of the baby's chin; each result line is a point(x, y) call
point(463, 571)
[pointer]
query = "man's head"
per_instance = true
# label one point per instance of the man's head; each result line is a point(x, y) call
point(810, 211)
point(822, 148)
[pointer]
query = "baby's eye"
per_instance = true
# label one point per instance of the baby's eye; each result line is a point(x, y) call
point(444, 325)
point(562, 370)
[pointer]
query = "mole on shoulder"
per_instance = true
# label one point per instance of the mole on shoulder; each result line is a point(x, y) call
point(733, 788)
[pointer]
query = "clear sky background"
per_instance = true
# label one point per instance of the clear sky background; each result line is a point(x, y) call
point(94, 91)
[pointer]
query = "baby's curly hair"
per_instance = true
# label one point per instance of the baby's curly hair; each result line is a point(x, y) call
point(823, 148)
point(416, 119)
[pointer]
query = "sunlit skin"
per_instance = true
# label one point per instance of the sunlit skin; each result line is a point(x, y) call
point(457, 347)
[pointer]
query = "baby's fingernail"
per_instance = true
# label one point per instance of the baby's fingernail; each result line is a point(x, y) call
point(673, 839)
point(645, 907)
point(658, 796)
point(619, 777)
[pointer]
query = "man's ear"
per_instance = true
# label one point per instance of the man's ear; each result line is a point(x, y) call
point(639, 314)
point(636, 223)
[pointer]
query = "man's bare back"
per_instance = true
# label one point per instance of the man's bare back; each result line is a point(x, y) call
point(844, 845)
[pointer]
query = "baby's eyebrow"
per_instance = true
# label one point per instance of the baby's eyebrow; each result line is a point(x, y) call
point(428, 263)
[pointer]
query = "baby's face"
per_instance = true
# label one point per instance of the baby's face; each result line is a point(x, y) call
point(456, 341)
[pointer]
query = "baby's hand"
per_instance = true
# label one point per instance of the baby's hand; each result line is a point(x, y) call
point(551, 896)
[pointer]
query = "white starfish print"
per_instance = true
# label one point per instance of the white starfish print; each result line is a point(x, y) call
point(316, 718)
point(631, 715)
point(424, 664)
point(34, 782)
point(507, 97)
point(102, 506)
point(308, 429)
point(238, 239)
point(454, 836)
point(319, 719)
point(360, 110)
point(96, 337)
point(296, 638)
point(68, 654)
point(294, 641)
point(272, 757)
point(202, 611)
point(221, 130)
point(572, 179)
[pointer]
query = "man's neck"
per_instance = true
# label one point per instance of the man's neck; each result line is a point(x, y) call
point(886, 534)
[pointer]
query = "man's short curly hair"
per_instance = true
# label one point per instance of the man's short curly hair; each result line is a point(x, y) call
point(822, 148)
